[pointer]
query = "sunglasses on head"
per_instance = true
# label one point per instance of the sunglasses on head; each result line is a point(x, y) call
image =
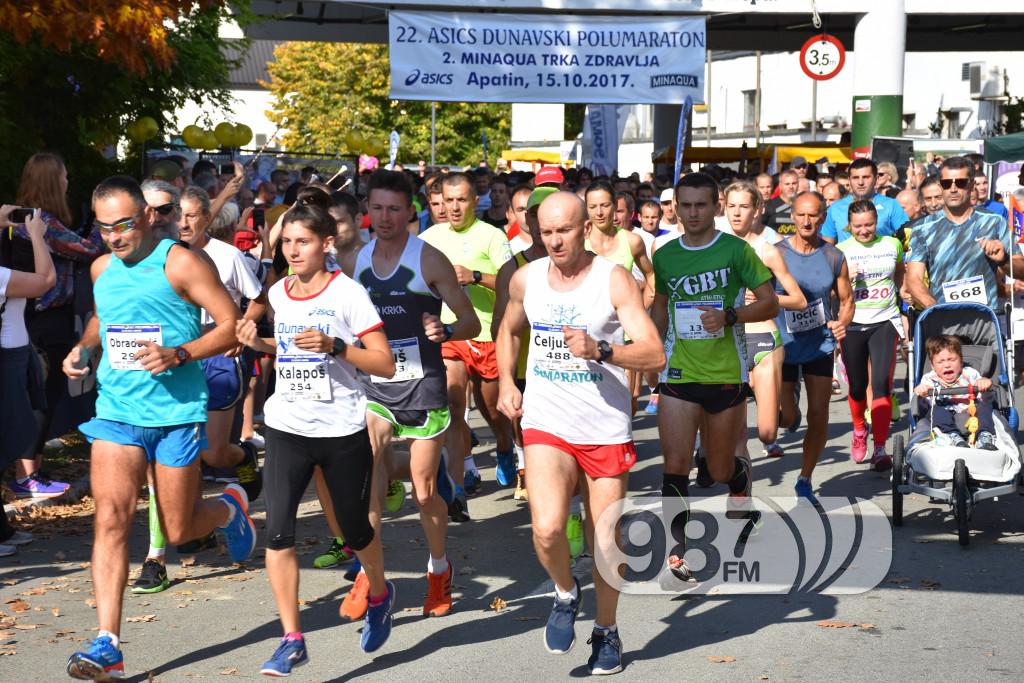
point(164, 209)
point(961, 183)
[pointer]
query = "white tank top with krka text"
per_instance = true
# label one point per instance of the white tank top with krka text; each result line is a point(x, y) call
point(580, 401)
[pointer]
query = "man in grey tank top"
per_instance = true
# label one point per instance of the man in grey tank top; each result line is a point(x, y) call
point(407, 281)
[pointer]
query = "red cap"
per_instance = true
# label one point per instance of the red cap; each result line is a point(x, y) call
point(549, 175)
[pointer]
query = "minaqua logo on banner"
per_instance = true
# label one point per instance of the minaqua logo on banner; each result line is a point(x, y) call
point(677, 80)
point(843, 547)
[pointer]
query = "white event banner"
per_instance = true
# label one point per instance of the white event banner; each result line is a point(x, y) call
point(463, 57)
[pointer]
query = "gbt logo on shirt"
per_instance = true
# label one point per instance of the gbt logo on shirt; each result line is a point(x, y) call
point(704, 282)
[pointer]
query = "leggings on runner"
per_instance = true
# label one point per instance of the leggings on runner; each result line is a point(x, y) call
point(347, 464)
point(875, 344)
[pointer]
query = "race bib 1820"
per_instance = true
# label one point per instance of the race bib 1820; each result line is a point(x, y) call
point(808, 319)
point(303, 378)
point(123, 343)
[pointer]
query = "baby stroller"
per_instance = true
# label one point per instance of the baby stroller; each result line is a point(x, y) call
point(959, 476)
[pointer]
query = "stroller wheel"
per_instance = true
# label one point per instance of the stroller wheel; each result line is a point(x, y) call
point(961, 495)
point(897, 480)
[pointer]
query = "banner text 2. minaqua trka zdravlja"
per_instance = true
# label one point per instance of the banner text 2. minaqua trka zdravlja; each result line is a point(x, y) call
point(525, 58)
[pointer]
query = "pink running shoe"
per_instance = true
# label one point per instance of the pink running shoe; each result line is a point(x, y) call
point(859, 448)
point(880, 460)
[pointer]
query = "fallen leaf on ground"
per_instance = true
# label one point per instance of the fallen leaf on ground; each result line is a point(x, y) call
point(9, 582)
point(828, 623)
point(898, 580)
point(498, 604)
point(229, 672)
point(762, 678)
point(38, 590)
point(989, 654)
point(55, 611)
point(18, 605)
point(26, 627)
point(728, 659)
point(90, 602)
point(145, 617)
point(188, 561)
point(930, 584)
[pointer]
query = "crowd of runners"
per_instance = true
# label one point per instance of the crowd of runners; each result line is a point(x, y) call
point(311, 327)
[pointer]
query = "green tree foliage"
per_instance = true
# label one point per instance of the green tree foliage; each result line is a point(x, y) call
point(335, 97)
point(75, 97)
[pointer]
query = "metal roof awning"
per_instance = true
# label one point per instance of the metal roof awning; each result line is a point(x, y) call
point(781, 25)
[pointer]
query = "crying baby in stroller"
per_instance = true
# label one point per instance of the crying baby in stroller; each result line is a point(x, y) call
point(949, 414)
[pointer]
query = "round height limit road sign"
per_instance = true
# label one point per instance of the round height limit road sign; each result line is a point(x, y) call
point(822, 57)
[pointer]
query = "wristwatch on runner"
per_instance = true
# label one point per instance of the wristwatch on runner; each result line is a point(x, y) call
point(339, 346)
point(449, 330)
point(604, 351)
point(182, 355)
point(730, 316)
point(477, 276)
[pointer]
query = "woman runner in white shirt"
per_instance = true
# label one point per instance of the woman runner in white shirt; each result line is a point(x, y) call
point(317, 417)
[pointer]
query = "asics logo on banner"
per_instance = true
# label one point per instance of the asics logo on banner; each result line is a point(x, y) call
point(428, 78)
point(704, 282)
point(779, 546)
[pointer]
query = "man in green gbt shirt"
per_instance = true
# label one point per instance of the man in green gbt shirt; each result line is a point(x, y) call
point(477, 250)
point(699, 280)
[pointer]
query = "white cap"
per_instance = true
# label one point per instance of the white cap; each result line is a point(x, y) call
point(667, 195)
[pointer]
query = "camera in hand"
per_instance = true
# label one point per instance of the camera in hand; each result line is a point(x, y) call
point(227, 169)
point(259, 218)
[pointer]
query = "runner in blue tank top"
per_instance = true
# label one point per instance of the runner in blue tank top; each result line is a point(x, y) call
point(151, 407)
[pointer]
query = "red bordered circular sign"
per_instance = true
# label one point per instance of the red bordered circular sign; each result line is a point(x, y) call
point(822, 57)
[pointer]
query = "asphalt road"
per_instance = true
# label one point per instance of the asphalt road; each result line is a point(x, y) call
point(942, 610)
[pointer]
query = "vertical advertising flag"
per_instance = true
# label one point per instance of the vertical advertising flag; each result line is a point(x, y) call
point(684, 117)
point(1016, 217)
point(601, 135)
point(393, 148)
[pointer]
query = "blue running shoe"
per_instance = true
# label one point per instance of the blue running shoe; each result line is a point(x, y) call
point(377, 626)
point(101, 662)
point(505, 471)
point(445, 483)
point(560, 632)
point(240, 532)
point(472, 482)
point(353, 571)
point(804, 489)
point(606, 652)
point(290, 654)
point(652, 405)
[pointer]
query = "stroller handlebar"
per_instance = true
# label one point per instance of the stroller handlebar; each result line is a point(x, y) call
point(957, 391)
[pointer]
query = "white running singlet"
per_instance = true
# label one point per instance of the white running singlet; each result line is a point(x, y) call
point(580, 401)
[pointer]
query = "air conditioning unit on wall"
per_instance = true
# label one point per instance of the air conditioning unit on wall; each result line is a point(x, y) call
point(986, 82)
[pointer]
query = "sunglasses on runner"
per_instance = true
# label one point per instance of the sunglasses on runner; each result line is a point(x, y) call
point(164, 209)
point(961, 183)
point(118, 228)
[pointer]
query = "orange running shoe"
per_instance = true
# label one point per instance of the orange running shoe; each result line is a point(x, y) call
point(353, 607)
point(439, 594)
